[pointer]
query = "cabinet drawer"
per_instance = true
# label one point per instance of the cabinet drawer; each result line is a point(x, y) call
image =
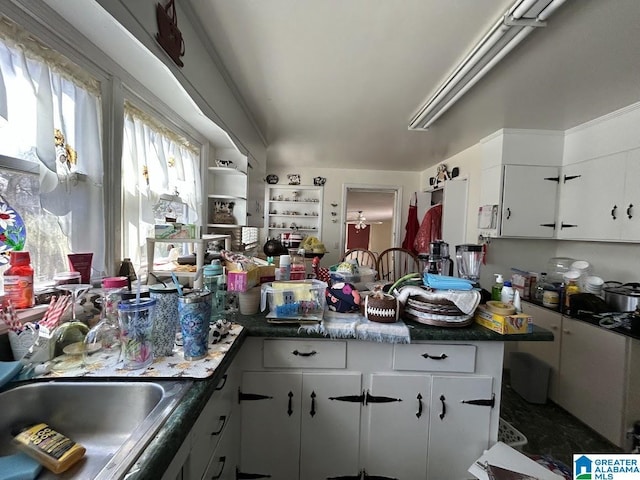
point(304, 354)
point(435, 357)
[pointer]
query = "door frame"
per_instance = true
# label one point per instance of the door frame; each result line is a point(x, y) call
point(397, 208)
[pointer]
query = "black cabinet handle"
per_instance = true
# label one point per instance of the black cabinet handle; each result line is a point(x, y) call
point(442, 356)
point(222, 460)
point(290, 406)
point(419, 412)
point(613, 212)
point(483, 402)
point(550, 225)
point(567, 225)
point(223, 420)
point(224, 382)
point(508, 213)
point(571, 177)
point(444, 407)
point(629, 216)
point(304, 354)
point(313, 404)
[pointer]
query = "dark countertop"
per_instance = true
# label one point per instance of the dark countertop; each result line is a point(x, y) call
point(156, 458)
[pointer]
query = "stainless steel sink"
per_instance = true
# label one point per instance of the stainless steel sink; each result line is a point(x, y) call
point(113, 420)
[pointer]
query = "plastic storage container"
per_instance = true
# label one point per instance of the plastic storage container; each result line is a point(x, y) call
point(510, 435)
point(529, 377)
point(359, 279)
point(297, 299)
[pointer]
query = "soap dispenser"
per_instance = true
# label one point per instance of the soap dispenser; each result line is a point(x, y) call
point(496, 290)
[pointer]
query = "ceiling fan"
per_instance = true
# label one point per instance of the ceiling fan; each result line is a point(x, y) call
point(360, 221)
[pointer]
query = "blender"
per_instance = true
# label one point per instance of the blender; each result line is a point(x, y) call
point(468, 261)
point(438, 260)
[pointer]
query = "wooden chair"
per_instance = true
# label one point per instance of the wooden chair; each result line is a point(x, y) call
point(366, 258)
point(394, 263)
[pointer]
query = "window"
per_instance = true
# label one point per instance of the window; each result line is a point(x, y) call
point(53, 128)
point(160, 178)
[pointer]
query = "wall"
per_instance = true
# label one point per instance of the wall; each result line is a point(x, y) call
point(380, 235)
point(336, 179)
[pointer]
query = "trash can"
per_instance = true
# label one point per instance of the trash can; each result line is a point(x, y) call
point(529, 377)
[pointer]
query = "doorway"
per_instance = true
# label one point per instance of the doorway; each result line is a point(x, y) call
point(377, 209)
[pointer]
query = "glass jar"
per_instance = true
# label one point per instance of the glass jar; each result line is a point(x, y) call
point(571, 279)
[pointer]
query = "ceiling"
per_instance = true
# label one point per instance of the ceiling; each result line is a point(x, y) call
point(334, 83)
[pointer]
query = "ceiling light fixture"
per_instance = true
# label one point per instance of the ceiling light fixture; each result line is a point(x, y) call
point(511, 28)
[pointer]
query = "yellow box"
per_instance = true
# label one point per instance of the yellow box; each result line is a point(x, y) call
point(504, 324)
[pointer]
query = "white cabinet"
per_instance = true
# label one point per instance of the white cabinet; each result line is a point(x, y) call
point(294, 425)
point(425, 410)
point(439, 431)
point(599, 199)
point(293, 207)
point(548, 352)
point(520, 174)
point(226, 456)
point(593, 376)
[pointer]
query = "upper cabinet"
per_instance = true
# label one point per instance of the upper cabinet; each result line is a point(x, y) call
point(520, 177)
point(600, 199)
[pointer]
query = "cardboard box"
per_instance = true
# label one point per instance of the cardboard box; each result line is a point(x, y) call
point(241, 280)
point(504, 324)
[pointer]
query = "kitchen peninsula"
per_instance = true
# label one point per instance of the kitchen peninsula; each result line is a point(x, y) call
point(354, 405)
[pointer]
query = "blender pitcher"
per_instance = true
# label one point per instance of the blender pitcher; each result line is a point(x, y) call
point(468, 261)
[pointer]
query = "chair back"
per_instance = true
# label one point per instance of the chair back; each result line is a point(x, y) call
point(394, 263)
point(365, 258)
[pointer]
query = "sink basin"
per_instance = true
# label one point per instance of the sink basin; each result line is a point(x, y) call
point(113, 420)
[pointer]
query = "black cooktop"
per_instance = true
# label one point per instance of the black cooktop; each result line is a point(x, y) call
point(626, 323)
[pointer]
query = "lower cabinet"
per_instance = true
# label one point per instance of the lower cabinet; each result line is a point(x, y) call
point(224, 462)
point(385, 412)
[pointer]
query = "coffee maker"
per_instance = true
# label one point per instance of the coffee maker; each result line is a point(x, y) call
point(468, 261)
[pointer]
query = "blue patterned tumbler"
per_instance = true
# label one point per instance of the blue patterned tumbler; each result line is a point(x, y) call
point(194, 310)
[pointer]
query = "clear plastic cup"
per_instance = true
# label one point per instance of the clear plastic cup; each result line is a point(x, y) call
point(136, 329)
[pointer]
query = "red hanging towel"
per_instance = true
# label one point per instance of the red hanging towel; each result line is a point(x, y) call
point(430, 229)
point(412, 226)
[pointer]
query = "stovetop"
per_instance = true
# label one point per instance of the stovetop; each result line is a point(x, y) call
point(627, 323)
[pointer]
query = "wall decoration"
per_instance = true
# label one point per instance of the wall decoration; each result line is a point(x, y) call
point(272, 179)
point(223, 213)
point(224, 163)
point(319, 181)
point(169, 35)
point(294, 178)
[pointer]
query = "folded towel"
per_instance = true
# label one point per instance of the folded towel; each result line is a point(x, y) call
point(354, 325)
point(467, 302)
point(444, 282)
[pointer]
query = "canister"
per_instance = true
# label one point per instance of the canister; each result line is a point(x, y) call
point(166, 323)
point(194, 311)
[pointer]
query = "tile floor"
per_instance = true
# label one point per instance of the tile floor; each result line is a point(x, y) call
point(549, 429)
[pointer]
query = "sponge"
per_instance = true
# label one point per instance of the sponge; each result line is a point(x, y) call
point(19, 466)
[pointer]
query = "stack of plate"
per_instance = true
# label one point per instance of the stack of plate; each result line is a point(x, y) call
point(437, 312)
point(593, 284)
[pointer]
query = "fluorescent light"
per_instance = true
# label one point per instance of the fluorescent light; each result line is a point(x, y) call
point(510, 29)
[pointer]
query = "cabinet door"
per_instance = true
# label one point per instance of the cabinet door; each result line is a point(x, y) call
point(630, 209)
point(270, 427)
point(398, 431)
point(226, 456)
point(458, 431)
point(592, 376)
point(592, 199)
point(330, 432)
point(454, 212)
point(529, 201)
point(548, 352)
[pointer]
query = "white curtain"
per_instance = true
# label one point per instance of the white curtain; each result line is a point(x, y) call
point(155, 162)
point(44, 94)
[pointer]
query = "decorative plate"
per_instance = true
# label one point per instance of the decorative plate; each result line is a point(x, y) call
point(13, 232)
point(272, 179)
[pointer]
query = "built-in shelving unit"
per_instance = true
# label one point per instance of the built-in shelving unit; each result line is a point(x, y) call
point(293, 208)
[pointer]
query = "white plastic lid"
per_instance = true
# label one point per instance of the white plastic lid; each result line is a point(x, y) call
point(285, 260)
point(571, 275)
point(499, 278)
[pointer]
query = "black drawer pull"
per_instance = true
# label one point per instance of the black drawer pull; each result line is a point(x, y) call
point(223, 420)
point(224, 382)
point(442, 356)
point(304, 354)
point(221, 460)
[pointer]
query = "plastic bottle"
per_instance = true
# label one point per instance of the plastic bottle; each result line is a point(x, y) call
point(213, 279)
point(496, 290)
point(517, 303)
point(18, 280)
point(284, 270)
point(507, 293)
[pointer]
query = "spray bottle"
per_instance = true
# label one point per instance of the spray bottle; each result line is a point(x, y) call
point(496, 290)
